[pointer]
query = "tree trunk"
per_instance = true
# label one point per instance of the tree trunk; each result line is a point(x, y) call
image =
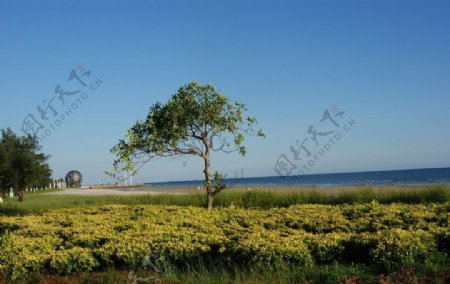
point(207, 171)
point(210, 200)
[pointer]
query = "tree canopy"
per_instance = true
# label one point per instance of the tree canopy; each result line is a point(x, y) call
point(196, 121)
point(21, 162)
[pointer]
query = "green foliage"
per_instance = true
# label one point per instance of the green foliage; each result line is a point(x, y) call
point(266, 199)
point(326, 274)
point(21, 163)
point(72, 260)
point(396, 248)
point(195, 121)
point(327, 248)
point(68, 241)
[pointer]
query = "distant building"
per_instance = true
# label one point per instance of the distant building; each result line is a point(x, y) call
point(74, 179)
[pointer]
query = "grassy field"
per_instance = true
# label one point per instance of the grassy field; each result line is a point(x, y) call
point(345, 235)
point(256, 198)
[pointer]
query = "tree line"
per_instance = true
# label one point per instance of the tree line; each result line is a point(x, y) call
point(22, 164)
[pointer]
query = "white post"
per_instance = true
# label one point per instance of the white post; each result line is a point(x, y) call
point(11, 192)
point(126, 177)
point(131, 179)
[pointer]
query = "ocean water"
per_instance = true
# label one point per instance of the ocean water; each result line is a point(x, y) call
point(373, 178)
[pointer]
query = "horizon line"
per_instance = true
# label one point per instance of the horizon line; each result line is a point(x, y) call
point(329, 173)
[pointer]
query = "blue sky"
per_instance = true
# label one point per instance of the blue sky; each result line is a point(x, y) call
point(385, 63)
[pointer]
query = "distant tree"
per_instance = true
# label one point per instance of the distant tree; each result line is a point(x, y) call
point(21, 163)
point(196, 121)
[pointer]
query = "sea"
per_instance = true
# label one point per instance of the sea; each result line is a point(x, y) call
point(372, 178)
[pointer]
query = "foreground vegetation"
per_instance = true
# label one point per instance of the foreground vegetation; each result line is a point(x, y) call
point(176, 242)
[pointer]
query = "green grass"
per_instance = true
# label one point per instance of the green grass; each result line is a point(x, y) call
point(35, 203)
point(268, 199)
point(292, 274)
point(324, 274)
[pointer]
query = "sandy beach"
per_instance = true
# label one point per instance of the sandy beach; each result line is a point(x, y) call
point(117, 191)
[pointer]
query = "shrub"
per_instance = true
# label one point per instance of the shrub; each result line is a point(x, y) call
point(72, 260)
point(395, 248)
point(327, 248)
point(68, 241)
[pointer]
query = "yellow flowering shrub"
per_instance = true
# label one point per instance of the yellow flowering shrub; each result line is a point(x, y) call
point(326, 248)
point(398, 247)
point(73, 260)
point(23, 257)
point(69, 241)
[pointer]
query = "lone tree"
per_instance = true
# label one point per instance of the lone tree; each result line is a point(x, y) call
point(196, 121)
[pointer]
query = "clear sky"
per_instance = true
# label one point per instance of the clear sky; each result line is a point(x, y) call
point(386, 64)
